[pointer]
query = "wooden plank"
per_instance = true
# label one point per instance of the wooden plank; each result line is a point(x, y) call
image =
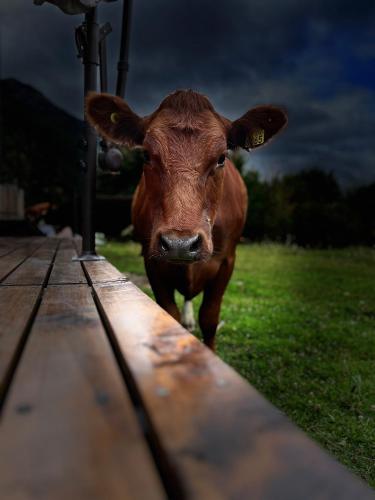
point(14, 259)
point(69, 430)
point(16, 307)
point(64, 269)
point(8, 245)
point(225, 440)
point(4, 250)
point(34, 270)
point(103, 271)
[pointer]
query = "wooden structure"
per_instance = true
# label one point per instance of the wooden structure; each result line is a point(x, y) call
point(105, 396)
point(12, 205)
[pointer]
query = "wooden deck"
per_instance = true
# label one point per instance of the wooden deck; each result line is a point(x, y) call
point(104, 396)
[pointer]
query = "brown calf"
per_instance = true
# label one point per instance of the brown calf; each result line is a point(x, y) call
point(190, 206)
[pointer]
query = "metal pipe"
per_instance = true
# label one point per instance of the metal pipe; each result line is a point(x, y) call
point(103, 65)
point(90, 62)
point(104, 31)
point(123, 64)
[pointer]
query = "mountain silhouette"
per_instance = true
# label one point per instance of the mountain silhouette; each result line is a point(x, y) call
point(38, 144)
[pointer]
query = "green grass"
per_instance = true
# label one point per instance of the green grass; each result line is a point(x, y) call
point(300, 326)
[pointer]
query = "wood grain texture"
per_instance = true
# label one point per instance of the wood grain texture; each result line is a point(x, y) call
point(7, 245)
point(4, 250)
point(64, 269)
point(10, 243)
point(16, 307)
point(15, 258)
point(34, 269)
point(225, 440)
point(103, 271)
point(69, 430)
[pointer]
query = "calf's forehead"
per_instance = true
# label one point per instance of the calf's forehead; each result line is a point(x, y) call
point(171, 133)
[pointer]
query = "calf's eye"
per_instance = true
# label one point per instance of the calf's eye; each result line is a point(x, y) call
point(146, 156)
point(221, 161)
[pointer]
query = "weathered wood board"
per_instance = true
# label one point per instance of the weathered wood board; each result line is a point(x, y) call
point(225, 439)
point(105, 396)
point(69, 430)
point(10, 261)
point(65, 270)
point(17, 305)
point(34, 269)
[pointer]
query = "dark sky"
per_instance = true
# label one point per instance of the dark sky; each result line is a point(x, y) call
point(314, 57)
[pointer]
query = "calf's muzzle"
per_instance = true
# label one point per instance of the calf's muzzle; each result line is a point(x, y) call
point(180, 248)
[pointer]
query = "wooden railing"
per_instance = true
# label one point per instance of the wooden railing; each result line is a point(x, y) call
point(105, 396)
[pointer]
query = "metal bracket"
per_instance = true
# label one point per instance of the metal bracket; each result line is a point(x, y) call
point(86, 257)
point(104, 30)
point(81, 40)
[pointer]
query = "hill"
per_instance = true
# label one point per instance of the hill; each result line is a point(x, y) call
point(38, 144)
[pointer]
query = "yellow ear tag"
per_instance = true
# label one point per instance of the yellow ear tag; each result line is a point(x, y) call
point(257, 137)
point(115, 118)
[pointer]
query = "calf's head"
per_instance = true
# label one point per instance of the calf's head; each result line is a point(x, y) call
point(185, 143)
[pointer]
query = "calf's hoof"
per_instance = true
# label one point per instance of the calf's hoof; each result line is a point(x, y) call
point(187, 316)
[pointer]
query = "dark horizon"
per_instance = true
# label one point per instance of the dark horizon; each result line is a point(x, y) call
point(317, 61)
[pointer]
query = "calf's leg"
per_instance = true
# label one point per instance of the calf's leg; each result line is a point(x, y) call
point(164, 293)
point(187, 315)
point(165, 299)
point(212, 297)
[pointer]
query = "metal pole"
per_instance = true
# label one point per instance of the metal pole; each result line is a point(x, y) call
point(123, 64)
point(91, 63)
point(103, 65)
point(104, 31)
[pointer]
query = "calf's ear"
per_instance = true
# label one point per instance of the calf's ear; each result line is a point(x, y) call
point(256, 127)
point(113, 119)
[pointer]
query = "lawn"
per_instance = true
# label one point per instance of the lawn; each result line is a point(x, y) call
point(300, 326)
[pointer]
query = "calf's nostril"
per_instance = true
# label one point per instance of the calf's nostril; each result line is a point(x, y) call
point(195, 244)
point(164, 245)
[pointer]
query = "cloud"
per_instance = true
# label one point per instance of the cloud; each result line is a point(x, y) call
point(314, 58)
